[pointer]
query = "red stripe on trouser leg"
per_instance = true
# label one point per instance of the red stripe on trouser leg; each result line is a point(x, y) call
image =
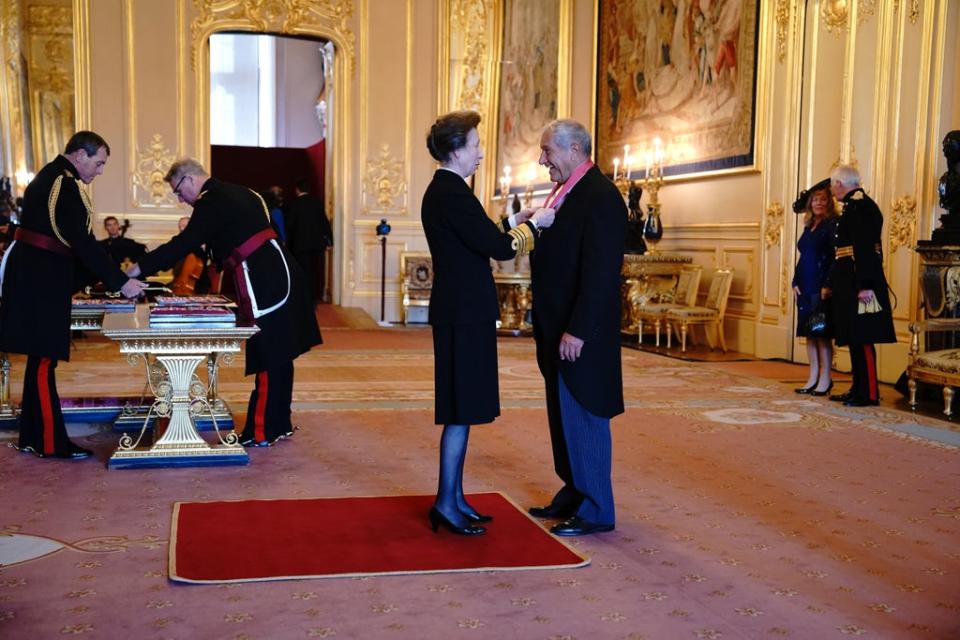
point(869, 355)
point(46, 405)
point(259, 416)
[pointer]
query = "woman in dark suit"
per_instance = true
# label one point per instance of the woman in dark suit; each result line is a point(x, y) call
point(463, 304)
point(816, 247)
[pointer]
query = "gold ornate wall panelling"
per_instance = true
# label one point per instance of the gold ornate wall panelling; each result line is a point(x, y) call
point(49, 52)
point(152, 163)
point(782, 17)
point(903, 223)
point(384, 185)
point(773, 225)
point(12, 93)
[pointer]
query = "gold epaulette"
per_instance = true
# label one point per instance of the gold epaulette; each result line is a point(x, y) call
point(523, 239)
point(52, 208)
point(263, 203)
point(857, 196)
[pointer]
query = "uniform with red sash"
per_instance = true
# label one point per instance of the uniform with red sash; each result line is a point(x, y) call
point(38, 276)
point(232, 221)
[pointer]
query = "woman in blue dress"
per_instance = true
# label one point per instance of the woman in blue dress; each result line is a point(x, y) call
point(816, 247)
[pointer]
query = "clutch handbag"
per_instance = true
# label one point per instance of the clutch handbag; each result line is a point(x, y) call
point(869, 307)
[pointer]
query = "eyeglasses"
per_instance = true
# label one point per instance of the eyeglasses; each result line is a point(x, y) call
point(176, 189)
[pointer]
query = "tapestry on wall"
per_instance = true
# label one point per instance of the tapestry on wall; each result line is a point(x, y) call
point(528, 87)
point(683, 71)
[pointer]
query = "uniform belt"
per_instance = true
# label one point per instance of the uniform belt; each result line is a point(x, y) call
point(248, 246)
point(41, 241)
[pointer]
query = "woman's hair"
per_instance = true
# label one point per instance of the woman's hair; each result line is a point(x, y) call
point(449, 133)
point(831, 205)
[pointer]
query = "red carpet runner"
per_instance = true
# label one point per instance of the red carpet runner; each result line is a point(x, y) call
point(336, 537)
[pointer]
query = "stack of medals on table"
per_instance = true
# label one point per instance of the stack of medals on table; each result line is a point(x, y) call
point(196, 311)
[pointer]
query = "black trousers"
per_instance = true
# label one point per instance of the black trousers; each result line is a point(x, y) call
point(41, 419)
point(863, 362)
point(268, 412)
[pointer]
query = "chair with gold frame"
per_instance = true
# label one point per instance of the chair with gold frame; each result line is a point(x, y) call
point(710, 314)
point(416, 273)
point(685, 295)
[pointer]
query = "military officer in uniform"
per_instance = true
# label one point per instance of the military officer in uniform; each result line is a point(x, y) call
point(36, 285)
point(861, 304)
point(234, 224)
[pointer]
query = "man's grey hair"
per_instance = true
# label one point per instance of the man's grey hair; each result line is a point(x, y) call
point(847, 175)
point(184, 167)
point(567, 132)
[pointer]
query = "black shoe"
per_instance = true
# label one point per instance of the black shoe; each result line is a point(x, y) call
point(841, 397)
point(437, 518)
point(806, 390)
point(552, 511)
point(74, 452)
point(473, 516)
point(819, 394)
point(253, 442)
point(860, 402)
point(577, 526)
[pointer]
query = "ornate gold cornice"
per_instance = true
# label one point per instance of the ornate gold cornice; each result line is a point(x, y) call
point(384, 184)
point(773, 225)
point(274, 16)
point(903, 223)
point(782, 17)
point(149, 189)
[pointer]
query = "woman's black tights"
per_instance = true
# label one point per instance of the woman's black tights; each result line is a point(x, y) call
point(453, 451)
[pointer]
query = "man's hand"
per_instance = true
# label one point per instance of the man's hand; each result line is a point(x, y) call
point(796, 291)
point(865, 295)
point(523, 215)
point(825, 293)
point(133, 288)
point(543, 218)
point(570, 347)
point(133, 270)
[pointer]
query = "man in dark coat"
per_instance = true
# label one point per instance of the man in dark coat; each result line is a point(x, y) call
point(234, 224)
point(576, 312)
point(862, 315)
point(308, 236)
point(120, 247)
point(37, 275)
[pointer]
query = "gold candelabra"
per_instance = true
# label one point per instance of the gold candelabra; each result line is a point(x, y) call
point(651, 182)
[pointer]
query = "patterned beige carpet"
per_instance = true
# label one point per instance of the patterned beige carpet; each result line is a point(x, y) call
point(744, 511)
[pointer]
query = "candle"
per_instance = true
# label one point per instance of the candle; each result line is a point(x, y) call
point(616, 167)
point(628, 169)
point(506, 180)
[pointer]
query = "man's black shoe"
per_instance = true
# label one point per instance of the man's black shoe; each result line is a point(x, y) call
point(841, 397)
point(552, 511)
point(860, 402)
point(577, 526)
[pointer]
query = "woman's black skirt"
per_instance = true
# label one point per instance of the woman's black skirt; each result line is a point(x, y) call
point(465, 374)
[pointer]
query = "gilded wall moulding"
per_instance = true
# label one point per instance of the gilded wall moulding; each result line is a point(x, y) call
point(914, 9)
point(834, 13)
point(50, 20)
point(325, 18)
point(782, 17)
point(470, 19)
point(384, 184)
point(149, 189)
point(773, 224)
point(903, 223)
point(784, 279)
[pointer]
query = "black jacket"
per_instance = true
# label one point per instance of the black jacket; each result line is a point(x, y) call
point(576, 289)
point(39, 284)
point(308, 229)
point(462, 240)
point(224, 217)
point(860, 226)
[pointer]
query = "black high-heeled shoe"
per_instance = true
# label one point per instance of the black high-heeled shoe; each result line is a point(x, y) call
point(437, 518)
point(806, 390)
point(473, 516)
point(818, 394)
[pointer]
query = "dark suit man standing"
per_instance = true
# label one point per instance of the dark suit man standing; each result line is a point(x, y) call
point(55, 239)
point(576, 318)
point(308, 236)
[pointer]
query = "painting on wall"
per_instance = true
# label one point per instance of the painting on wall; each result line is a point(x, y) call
point(681, 72)
point(528, 89)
